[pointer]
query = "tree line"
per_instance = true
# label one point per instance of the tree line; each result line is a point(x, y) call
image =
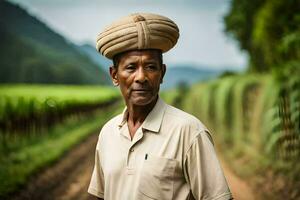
point(269, 31)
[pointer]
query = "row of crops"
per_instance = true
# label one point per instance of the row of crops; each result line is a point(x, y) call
point(256, 120)
point(254, 111)
point(39, 123)
point(28, 108)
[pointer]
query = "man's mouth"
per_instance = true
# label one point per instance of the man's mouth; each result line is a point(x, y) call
point(140, 90)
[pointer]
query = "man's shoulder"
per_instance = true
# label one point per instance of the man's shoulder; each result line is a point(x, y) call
point(113, 122)
point(107, 129)
point(184, 124)
point(182, 118)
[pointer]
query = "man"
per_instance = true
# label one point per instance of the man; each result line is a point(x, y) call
point(151, 150)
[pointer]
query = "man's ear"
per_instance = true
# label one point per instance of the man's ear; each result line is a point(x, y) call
point(163, 69)
point(113, 74)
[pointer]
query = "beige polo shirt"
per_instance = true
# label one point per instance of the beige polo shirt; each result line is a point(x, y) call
point(170, 157)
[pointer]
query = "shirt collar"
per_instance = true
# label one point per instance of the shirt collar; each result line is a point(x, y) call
point(123, 117)
point(154, 118)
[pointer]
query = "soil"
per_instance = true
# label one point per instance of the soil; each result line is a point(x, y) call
point(239, 188)
point(66, 179)
point(69, 177)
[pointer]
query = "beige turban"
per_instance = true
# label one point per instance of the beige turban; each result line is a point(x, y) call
point(138, 31)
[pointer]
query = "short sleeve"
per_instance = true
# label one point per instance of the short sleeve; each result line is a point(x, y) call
point(96, 186)
point(203, 171)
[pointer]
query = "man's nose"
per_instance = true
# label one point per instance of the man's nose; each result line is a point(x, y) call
point(141, 76)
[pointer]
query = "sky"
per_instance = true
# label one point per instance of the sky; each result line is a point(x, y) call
point(202, 41)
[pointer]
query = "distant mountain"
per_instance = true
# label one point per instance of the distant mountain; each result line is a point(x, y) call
point(187, 74)
point(30, 52)
point(96, 57)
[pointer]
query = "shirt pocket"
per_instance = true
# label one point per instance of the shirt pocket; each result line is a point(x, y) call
point(157, 178)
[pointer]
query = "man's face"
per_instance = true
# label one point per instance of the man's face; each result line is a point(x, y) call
point(139, 75)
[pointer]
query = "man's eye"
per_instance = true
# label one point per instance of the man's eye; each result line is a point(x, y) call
point(130, 67)
point(151, 67)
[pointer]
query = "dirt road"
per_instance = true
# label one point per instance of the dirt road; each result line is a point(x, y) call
point(239, 188)
point(68, 179)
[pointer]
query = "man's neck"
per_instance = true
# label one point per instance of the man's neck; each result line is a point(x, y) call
point(137, 115)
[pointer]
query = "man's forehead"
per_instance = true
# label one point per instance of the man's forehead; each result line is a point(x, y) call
point(147, 55)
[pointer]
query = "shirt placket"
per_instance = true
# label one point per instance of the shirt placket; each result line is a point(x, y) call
point(133, 151)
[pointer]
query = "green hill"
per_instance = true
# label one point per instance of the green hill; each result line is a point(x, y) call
point(94, 55)
point(30, 52)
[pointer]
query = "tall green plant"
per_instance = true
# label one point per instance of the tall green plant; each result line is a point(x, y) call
point(268, 30)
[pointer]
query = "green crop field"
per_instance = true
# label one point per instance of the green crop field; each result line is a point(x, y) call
point(27, 107)
point(19, 99)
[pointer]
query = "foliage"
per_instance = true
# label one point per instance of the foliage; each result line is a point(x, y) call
point(256, 119)
point(227, 73)
point(169, 95)
point(285, 117)
point(268, 30)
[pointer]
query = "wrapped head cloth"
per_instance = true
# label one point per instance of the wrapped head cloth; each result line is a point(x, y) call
point(138, 31)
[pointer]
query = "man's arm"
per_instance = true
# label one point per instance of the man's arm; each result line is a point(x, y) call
point(203, 171)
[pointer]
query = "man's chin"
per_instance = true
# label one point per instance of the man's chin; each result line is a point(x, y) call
point(142, 101)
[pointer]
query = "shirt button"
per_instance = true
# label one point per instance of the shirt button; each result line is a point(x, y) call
point(131, 150)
